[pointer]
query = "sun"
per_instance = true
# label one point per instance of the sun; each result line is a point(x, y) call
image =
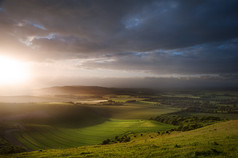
point(12, 71)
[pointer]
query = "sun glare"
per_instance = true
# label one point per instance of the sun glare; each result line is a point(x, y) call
point(12, 71)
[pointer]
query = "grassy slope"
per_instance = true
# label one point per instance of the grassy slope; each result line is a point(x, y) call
point(93, 90)
point(69, 115)
point(218, 140)
point(136, 111)
point(143, 112)
point(45, 137)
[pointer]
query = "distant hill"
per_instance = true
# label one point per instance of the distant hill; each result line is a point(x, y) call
point(93, 90)
point(218, 140)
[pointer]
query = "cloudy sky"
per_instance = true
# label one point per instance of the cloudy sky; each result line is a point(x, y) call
point(135, 43)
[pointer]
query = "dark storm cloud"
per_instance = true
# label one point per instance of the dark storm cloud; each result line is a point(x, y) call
point(137, 25)
point(157, 36)
point(212, 58)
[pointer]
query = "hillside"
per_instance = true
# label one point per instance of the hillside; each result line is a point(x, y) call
point(36, 137)
point(92, 90)
point(217, 140)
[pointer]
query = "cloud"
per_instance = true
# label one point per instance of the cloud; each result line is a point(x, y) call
point(158, 37)
point(122, 26)
point(212, 58)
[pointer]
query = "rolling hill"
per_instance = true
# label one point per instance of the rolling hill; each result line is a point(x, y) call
point(217, 140)
point(92, 90)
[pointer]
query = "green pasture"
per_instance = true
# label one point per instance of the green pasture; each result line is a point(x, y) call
point(45, 137)
point(142, 112)
point(218, 140)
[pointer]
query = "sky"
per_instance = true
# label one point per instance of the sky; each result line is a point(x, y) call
point(123, 43)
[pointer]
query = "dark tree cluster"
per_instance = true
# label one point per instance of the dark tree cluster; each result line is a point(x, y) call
point(186, 123)
point(117, 139)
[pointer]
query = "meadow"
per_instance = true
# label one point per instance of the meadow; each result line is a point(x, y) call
point(116, 120)
point(218, 140)
point(45, 137)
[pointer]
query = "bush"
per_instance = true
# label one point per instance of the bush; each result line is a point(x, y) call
point(186, 123)
point(107, 141)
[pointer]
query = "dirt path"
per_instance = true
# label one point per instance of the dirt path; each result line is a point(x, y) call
point(9, 135)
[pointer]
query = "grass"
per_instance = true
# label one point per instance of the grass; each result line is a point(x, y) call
point(61, 124)
point(45, 137)
point(142, 112)
point(67, 114)
point(5, 146)
point(222, 116)
point(181, 96)
point(217, 140)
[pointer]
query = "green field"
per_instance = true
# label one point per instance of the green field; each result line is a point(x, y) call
point(45, 137)
point(64, 124)
point(218, 140)
point(142, 112)
point(131, 123)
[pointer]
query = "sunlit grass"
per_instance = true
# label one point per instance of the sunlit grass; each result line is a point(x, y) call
point(218, 140)
point(44, 137)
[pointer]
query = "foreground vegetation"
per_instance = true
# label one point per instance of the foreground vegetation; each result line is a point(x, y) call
point(217, 140)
